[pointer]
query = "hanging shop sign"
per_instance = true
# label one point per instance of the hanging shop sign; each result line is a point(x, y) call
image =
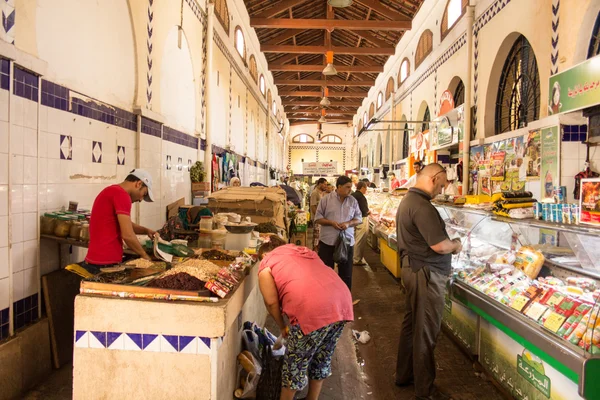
point(319, 168)
point(575, 88)
point(550, 161)
point(447, 131)
point(446, 102)
point(533, 155)
point(419, 142)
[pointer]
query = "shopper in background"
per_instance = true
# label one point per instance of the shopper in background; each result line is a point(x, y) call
point(295, 282)
point(418, 166)
point(360, 232)
point(338, 212)
point(369, 184)
point(425, 254)
point(111, 223)
point(235, 182)
point(394, 183)
point(354, 178)
point(329, 188)
point(315, 197)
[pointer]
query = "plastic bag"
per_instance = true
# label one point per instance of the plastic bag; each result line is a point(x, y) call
point(269, 384)
point(248, 377)
point(342, 249)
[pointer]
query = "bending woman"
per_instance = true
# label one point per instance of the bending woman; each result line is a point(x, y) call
point(294, 281)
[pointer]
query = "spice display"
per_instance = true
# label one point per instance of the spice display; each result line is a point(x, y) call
point(140, 263)
point(201, 269)
point(113, 277)
point(178, 281)
point(266, 227)
point(217, 255)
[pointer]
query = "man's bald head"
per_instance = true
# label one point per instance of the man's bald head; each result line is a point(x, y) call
point(432, 179)
point(430, 170)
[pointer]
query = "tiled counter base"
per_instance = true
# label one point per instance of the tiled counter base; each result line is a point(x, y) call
point(128, 348)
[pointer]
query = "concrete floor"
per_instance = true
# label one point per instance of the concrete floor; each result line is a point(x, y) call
point(360, 371)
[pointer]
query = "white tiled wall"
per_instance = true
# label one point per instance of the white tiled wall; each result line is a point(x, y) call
point(573, 157)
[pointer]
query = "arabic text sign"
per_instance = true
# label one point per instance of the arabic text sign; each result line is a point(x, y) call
point(320, 168)
point(575, 88)
point(533, 376)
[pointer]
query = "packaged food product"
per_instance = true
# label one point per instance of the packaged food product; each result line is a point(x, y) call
point(577, 333)
point(535, 310)
point(554, 299)
point(216, 287)
point(554, 321)
point(567, 306)
point(529, 261)
point(572, 322)
point(586, 284)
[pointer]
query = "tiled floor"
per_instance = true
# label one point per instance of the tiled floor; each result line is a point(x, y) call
point(361, 371)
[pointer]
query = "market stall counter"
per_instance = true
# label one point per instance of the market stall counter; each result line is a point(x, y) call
point(154, 348)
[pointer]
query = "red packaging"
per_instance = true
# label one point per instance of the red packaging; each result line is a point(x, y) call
point(216, 288)
point(567, 306)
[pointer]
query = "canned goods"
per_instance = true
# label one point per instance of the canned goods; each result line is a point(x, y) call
point(537, 210)
point(575, 213)
point(546, 212)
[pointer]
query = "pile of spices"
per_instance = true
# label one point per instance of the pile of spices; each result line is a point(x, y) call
point(217, 255)
point(178, 281)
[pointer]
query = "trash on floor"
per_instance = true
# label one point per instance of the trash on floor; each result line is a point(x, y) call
point(363, 337)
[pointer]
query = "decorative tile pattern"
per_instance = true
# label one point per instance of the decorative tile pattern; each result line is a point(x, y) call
point(150, 30)
point(8, 21)
point(96, 152)
point(66, 147)
point(198, 12)
point(4, 323)
point(574, 133)
point(25, 84)
point(203, 79)
point(4, 74)
point(202, 144)
point(555, 21)
point(152, 128)
point(143, 342)
point(120, 155)
point(476, 82)
point(55, 96)
point(168, 164)
point(489, 14)
point(25, 311)
point(175, 136)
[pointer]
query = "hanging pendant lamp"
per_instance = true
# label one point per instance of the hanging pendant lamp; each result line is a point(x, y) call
point(325, 100)
point(329, 69)
point(319, 134)
point(322, 120)
point(339, 3)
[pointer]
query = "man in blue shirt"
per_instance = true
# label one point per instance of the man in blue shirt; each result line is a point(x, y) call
point(338, 212)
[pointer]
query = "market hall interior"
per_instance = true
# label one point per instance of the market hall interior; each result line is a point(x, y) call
point(91, 90)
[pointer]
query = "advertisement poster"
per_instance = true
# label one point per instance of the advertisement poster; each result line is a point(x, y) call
point(486, 184)
point(497, 161)
point(462, 322)
point(550, 161)
point(319, 168)
point(575, 88)
point(590, 201)
point(549, 237)
point(533, 154)
point(476, 155)
point(514, 164)
point(519, 371)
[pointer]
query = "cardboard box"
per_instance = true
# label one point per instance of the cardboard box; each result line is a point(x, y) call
point(200, 186)
point(299, 239)
point(301, 228)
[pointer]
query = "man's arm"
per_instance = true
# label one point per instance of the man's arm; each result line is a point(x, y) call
point(141, 230)
point(356, 218)
point(429, 224)
point(128, 235)
point(447, 246)
point(320, 215)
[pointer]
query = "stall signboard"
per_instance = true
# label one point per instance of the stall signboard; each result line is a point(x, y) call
point(519, 370)
point(447, 130)
point(575, 88)
point(589, 199)
point(550, 161)
point(446, 102)
point(320, 168)
point(533, 155)
point(419, 142)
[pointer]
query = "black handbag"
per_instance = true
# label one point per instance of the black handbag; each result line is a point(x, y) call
point(341, 252)
point(269, 384)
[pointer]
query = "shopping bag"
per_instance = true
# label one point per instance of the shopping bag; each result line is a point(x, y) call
point(342, 249)
point(269, 383)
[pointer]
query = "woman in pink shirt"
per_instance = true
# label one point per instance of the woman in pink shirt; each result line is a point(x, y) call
point(294, 281)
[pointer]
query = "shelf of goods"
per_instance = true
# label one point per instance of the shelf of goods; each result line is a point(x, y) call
point(523, 300)
point(382, 228)
point(166, 349)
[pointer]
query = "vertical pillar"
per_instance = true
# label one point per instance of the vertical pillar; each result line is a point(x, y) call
point(208, 91)
point(468, 90)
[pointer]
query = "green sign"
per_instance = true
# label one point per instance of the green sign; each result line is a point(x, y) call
point(550, 161)
point(576, 88)
point(533, 372)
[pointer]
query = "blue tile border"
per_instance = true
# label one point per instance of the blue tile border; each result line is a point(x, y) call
point(25, 311)
point(178, 137)
point(4, 323)
point(152, 128)
point(574, 133)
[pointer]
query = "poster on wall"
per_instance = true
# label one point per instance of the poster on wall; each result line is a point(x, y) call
point(550, 161)
point(575, 88)
point(521, 372)
point(514, 165)
point(590, 201)
point(497, 160)
point(485, 184)
point(533, 153)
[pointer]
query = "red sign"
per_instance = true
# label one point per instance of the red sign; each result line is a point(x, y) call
point(446, 102)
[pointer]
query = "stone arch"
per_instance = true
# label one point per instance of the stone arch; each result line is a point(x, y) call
point(585, 31)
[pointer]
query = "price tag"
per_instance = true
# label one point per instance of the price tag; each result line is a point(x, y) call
point(519, 302)
point(554, 322)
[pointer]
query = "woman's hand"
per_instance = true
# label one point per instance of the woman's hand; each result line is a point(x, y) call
point(285, 331)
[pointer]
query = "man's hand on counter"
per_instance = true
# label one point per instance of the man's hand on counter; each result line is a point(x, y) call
point(458, 245)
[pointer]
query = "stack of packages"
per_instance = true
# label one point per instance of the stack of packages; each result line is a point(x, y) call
point(513, 204)
point(227, 279)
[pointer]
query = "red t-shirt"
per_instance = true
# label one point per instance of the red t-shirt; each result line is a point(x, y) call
point(106, 244)
point(311, 294)
point(395, 183)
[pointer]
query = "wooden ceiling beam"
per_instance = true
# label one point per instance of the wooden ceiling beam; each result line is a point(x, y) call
point(371, 38)
point(331, 24)
point(383, 10)
point(303, 123)
point(280, 7)
point(373, 51)
point(292, 114)
point(315, 119)
point(334, 103)
point(319, 68)
point(285, 35)
point(299, 93)
point(318, 82)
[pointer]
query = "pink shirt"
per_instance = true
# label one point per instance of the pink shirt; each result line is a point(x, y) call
point(311, 294)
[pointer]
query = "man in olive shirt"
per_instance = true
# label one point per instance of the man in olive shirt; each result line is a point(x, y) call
point(425, 254)
point(315, 197)
point(360, 233)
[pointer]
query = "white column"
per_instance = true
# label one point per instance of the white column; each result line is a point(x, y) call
point(468, 90)
point(207, 92)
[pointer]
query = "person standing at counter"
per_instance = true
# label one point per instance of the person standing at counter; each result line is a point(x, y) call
point(111, 225)
point(418, 166)
point(360, 233)
point(295, 282)
point(338, 212)
point(394, 182)
point(315, 197)
point(425, 254)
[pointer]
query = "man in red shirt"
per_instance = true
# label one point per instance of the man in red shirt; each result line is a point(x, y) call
point(111, 223)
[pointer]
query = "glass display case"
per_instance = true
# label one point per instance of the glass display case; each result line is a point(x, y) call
point(525, 295)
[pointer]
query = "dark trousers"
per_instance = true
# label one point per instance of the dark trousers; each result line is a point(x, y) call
point(345, 269)
point(420, 328)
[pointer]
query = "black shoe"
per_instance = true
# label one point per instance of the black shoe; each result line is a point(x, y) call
point(405, 384)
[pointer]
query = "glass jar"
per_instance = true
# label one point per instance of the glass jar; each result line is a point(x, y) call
point(204, 241)
point(85, 232)
point(47, 223)
point(206, 223)
point(62, 226)
point(75, 230)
